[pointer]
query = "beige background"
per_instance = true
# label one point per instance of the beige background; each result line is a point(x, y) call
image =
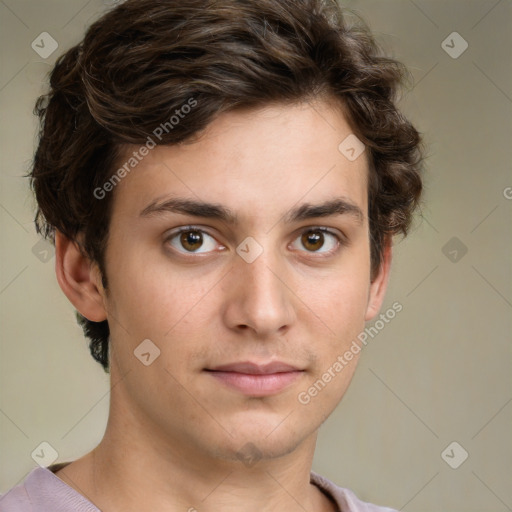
point(438, 373)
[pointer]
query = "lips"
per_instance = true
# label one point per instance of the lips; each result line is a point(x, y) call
point(256, 369)
point(254, 379)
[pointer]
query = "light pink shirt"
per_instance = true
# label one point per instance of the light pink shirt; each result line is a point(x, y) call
point(43, 491)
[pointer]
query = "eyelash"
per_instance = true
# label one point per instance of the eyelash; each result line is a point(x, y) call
point(340, 240)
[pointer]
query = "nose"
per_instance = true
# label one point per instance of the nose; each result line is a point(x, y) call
point(259, 297)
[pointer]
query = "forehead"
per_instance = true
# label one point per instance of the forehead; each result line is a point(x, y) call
point(255, 161)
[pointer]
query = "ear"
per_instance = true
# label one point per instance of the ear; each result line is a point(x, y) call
point(379, 284)
point(79, 279)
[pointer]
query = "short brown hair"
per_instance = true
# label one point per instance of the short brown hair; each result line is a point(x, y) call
point(141, 62)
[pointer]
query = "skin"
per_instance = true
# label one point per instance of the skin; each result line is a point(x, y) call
point(175, 433)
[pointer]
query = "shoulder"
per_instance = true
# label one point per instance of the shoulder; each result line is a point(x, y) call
point(16, 499)
point(345, 499)
point(19, 498)
point(43, 491)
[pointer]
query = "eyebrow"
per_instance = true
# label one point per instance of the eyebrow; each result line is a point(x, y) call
point(337, 206)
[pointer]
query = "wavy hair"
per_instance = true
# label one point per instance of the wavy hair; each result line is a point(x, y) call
point(143, 60)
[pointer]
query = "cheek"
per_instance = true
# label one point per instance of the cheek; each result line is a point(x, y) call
point(341, 309)
point(139, 303)
point(349, 306)
point(339, 300)
point(149, 300)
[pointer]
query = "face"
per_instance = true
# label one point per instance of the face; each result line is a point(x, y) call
point(244, 258)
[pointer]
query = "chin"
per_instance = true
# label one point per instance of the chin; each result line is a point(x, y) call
point(249, 451)
point(257, 439)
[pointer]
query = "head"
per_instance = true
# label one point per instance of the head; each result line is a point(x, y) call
point(242, 106)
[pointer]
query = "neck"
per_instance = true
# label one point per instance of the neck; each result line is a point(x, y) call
point(136, 468)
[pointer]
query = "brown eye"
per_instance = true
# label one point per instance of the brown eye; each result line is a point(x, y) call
point(191, 240)
point(318, 240)
point(312, 240)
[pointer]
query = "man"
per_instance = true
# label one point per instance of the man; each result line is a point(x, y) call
point(222, 180)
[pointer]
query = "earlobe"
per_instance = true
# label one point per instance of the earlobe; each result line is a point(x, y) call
point(379, 285)
point(79, 279)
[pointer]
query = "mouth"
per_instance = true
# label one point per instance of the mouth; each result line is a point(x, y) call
point(256, 380)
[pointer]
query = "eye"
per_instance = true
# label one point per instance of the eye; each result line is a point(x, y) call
point(192, 240)
point(315, 239)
